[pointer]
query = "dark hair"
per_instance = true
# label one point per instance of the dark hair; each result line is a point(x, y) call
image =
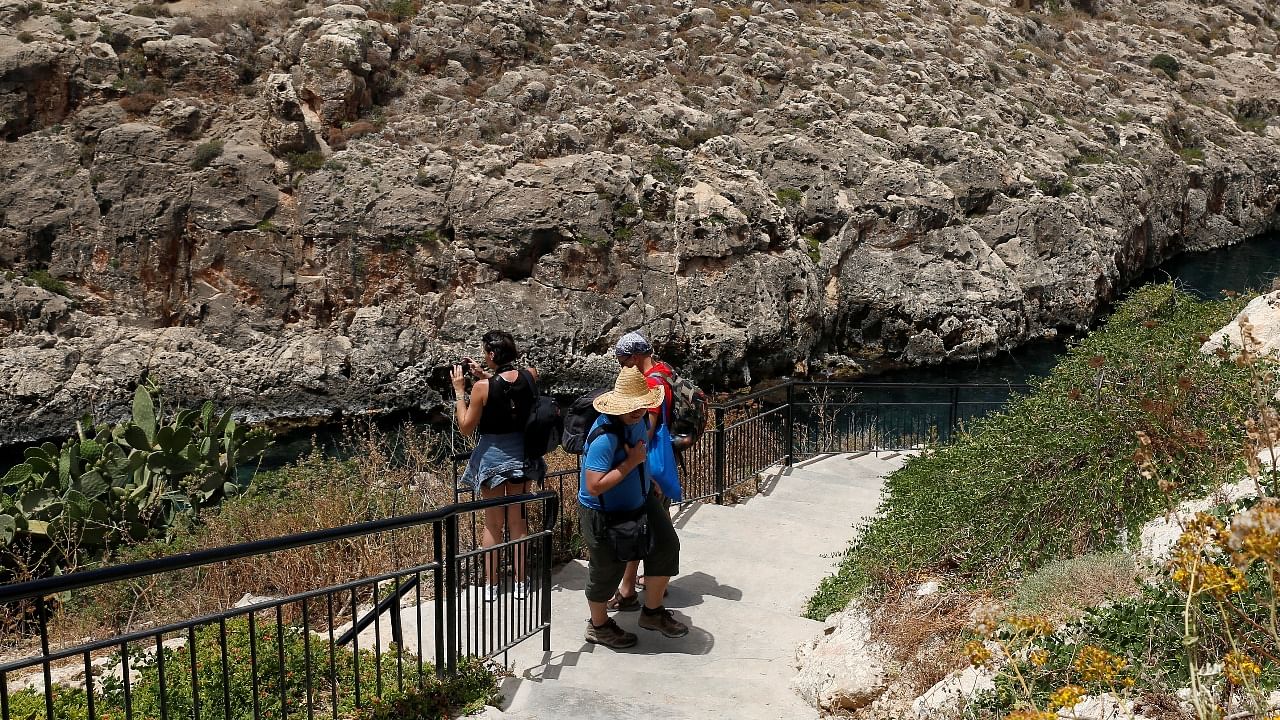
point(502, 345)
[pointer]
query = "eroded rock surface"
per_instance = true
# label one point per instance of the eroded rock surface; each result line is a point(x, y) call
point(309, 206)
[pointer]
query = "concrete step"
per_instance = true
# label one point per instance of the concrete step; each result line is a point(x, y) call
point(649, 694)
point(747, 571)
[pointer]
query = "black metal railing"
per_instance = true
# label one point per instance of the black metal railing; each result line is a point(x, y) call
point(322, 652)
point(797, 420)
point(331, 649)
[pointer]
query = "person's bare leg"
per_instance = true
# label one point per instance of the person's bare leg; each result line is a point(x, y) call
point(599, 613)
point(517, 527)
point(627, 588)
point(654, 589)
point(492, 533)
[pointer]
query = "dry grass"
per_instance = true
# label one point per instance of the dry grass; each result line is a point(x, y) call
point(1061, 591)
point(924, 633)
point(387, 475)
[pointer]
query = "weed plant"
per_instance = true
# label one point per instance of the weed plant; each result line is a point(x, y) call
point(259, 672)
point(1201, 640)
point(1057, 474)
point(385, 475)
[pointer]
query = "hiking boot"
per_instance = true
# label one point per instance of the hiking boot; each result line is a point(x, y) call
point(623, 603)
point(664, 622)
point(610, 635)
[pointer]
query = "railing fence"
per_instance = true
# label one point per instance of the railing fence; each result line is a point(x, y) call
point(330, 650)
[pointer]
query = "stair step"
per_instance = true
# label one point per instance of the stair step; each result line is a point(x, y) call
point(747, 572)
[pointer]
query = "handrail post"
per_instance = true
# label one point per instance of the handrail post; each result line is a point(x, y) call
point(451, 593)
point(551, 511)
point(955, 412)
point(791, 423)
point(438, 584)
point(720, 459)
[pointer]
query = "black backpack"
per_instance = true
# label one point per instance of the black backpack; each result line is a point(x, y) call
point(543, 427)
point(578, 421)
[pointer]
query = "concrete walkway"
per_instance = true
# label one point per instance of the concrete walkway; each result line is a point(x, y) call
point(747, 572)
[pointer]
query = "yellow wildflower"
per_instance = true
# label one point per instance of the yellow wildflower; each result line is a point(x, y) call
point(1066, 696)
point(978, 653)
point(1239, 668)
point(1097, 665)
point(1032, 624)
point(1038, 657)
point(1195, 575)
point(1255, 534)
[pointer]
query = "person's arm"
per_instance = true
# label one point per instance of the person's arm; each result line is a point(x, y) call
point(599, 483)
point(468, 413)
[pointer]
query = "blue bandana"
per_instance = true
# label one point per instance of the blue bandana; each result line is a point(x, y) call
point(633, 344)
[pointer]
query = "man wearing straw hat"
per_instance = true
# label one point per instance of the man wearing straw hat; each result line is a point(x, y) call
point(614, 484)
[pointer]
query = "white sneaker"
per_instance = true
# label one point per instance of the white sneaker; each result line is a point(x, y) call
point(490, 593)
point(521, 592)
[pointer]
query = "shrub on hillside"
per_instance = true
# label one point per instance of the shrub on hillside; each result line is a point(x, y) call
point(206, 153)
point(1057, 473)
point(1167, 64)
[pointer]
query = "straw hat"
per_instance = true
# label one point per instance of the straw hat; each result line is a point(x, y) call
point(630, 392)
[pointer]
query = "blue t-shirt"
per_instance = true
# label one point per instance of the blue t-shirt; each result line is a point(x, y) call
point(602, 455)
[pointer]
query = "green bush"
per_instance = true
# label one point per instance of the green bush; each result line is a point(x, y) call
point(306, 161)
point(206, 153)
point(45, 280)
point(401, 9)
point(1167, 64)
point(789, 196)
point(467, 691)
point(665, 170)
point(1055, 474)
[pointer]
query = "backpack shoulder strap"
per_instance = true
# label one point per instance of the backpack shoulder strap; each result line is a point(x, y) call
point(528, 378)
point(618, 429)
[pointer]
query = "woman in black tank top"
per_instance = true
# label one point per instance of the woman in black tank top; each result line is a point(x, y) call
point(498, 407)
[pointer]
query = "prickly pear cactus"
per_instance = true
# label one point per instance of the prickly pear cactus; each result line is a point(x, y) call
point(133, 480)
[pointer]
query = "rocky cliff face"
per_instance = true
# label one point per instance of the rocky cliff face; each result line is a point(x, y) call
point(308, 207)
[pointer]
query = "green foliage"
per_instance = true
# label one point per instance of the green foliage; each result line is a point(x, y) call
point(206, 153)
point(145, 10)
point(1167, 64)
point(421, 695)
point(1055, 475)
point(401, 9)
point(815, 248)
point(306, 161)
point(665, 170)
point(26, 36)
point(266, 226)
point(43, 279)
point(789, 196)
point(115, 483)
point(596, 242)
point(1191, 154)
point(628, 210)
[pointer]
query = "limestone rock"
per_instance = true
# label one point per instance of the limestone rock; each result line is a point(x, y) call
point(843, 669)
point(1263, 318)
point(761, 190)
point(950, 695)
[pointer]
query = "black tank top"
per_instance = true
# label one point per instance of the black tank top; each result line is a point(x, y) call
point(507, 408)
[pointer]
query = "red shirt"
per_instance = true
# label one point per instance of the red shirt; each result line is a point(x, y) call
point(654, 377)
